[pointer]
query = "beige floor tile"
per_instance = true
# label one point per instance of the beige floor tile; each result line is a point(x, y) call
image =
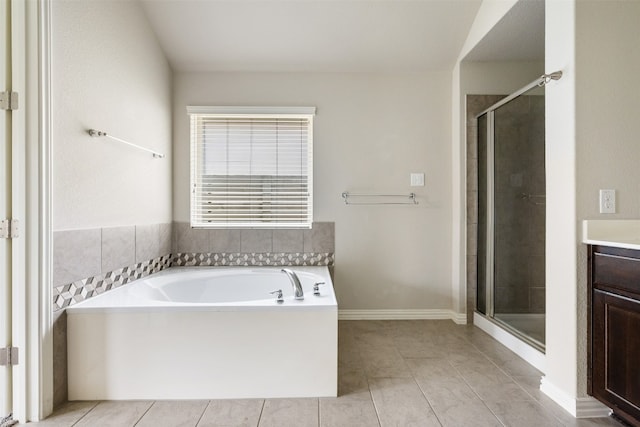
point(443, 392)
point(67, 415)
point(415, 348)
point(466, 414)
point(373, 340)
point(434, 368)
point(115, 414)
point(399, 402)
point(353, 385)
point(232, 412)
point(384, 362)
point(350, 359)
point(339, 412)
point(518, 367)
point(289, 413)
point(503, 392)
point(174, 413)
point(523, 414)
point(530, 384)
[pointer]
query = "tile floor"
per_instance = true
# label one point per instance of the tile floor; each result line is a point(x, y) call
point(391, 373)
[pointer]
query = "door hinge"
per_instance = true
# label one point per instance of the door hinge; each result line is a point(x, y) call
point(8, 100)
point(9, 229)
point(9, 356)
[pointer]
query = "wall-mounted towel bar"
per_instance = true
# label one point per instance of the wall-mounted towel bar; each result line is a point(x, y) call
point(379, 199)
point(97, 133)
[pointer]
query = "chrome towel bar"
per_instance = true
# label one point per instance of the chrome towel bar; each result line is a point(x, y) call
point(97, 133)
point(379, 199)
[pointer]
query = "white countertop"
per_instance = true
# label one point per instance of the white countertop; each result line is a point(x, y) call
point(618, 233)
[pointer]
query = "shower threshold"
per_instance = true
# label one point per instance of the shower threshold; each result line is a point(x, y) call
point(528, 348)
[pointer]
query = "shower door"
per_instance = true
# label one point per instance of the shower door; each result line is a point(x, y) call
point(511, 215)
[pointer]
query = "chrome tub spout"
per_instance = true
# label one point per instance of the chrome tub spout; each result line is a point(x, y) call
point(295, 282)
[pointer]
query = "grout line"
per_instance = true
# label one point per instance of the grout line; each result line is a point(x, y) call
point(435, 414)
point(261, 411)
point(86, 413)
point(203, 412)
point(144, 413)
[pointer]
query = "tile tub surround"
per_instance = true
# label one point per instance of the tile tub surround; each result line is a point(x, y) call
point(319, 239)
point(391, 373)
point(80, 254)
point(253, 247)
point(66, 295)
point(89, 262)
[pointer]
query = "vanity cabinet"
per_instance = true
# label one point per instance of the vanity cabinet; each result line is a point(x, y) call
point(614, 282)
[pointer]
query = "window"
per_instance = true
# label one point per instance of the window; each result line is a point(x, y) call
point(251, 167)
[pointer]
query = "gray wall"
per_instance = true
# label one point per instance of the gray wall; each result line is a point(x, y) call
point(371, 131)
point(109, 73)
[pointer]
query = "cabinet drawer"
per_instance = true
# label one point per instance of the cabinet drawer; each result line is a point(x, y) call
point(616, 271)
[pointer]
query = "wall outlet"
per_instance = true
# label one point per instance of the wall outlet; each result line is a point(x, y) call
point(607, 201)
point(417, 180)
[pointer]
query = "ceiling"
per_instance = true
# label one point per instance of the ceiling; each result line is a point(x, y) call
point(518, 36)
point(311, 35)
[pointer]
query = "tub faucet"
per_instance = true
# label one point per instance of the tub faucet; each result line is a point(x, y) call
point(295, 282)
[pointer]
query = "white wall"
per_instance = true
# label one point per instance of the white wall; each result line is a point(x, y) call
point(370, 132)
point(110, 74)
point(561, 225)
point(607, 137)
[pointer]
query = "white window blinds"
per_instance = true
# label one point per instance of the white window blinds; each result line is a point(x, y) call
point(251, 169)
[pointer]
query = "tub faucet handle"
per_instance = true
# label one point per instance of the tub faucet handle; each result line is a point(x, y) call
point(279, 298)
point(316, 288)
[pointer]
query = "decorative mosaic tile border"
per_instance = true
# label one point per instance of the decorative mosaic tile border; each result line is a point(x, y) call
point(72, 293)
point(224, 259)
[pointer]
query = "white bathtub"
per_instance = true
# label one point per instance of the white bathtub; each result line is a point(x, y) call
point(205, 333)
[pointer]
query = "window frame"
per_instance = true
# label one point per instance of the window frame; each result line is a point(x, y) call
point(221, 112)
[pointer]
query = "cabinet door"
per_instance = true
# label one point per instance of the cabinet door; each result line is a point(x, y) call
point(616, 353)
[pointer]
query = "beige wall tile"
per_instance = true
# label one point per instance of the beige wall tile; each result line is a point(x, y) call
point(147, 242)
point(76, 255)
point(118, 248)
point(224, 240)
point(256, 240)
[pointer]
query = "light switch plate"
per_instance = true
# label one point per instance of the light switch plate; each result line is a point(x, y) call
point(417, 180)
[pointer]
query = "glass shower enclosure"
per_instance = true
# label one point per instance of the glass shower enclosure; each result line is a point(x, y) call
point(511, 214)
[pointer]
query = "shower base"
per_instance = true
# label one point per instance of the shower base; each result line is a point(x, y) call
point(531, 325)
point(514, 341)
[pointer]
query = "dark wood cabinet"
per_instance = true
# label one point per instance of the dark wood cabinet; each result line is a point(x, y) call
point(614, 378)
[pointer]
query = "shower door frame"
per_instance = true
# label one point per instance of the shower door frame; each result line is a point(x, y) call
point(489, 258)
point(490, 211)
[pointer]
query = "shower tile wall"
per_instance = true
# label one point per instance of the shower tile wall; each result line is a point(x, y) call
point(475, 105)
point(519, 240)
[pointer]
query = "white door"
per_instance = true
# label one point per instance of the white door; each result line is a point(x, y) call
point(5, 212)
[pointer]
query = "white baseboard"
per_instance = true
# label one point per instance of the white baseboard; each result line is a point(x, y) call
point(459, 318)
point(533, 356)
point(579, 407)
